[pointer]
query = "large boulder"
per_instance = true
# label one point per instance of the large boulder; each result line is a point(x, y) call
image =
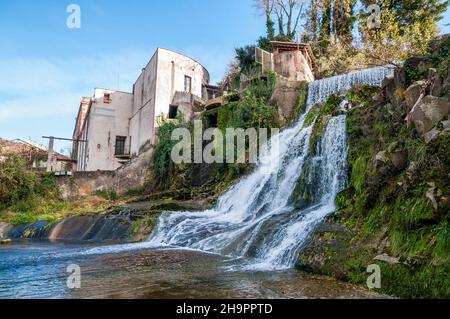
point(435, 81)
point(413, 93)
point(428, 113)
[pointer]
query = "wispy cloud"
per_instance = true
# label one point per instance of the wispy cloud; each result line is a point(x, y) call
point(41, 96)
point(37, 88)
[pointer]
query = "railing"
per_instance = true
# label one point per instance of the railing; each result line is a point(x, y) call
point(211, 92)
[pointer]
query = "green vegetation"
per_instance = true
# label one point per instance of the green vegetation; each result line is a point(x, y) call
point(388, 209)
point(27, 197)
point(322, 114)
point(301, 101)
point(440, 58)
point(162, 156)
point(405, 29)
point(110, 195)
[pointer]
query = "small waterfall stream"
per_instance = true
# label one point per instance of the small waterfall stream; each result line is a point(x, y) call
point(255, 218)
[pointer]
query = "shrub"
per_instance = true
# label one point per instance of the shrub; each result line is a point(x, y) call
point(108, 195)
point(163, 150)
point(17, 183)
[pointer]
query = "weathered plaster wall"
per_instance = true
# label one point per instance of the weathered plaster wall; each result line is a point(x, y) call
point(133, 175)
point(105, 121)
point(293, 66)
point(142, 126)
point(137, 115)
point(172, 69)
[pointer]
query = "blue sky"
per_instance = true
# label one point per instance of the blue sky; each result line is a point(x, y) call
point(45, 68)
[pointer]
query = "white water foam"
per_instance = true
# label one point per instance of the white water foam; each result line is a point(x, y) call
point(254, 218)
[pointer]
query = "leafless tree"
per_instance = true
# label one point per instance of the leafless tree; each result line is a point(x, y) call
point(287, 13)
point(264, 6)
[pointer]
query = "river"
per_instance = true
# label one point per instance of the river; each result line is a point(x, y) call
point(38, 271)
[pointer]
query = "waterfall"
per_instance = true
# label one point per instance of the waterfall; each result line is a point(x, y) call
point(255, 219)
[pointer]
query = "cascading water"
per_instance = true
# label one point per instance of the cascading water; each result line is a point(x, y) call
point(255, 218)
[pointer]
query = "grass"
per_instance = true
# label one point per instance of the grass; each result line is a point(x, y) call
point(39, 209)
point(358, 175)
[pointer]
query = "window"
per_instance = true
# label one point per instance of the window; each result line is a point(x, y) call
point(187, 84)
point(120, 145)
point(173, 111)
point(107, 98)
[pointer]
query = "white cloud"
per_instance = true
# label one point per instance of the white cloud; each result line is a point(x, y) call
point(38, 88)
point(42, 88)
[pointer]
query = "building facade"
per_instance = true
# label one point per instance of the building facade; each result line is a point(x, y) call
point(112, 127)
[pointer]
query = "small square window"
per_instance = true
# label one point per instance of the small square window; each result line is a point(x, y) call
point(107, 98)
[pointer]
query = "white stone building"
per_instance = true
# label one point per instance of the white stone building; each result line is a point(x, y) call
point(112, 127)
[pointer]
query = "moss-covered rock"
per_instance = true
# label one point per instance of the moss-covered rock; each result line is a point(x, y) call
point(397, 204)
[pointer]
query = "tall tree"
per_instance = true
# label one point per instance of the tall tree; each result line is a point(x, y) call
point(343, 20)
point(325, 27)
point(287, 14)
point(312, 20)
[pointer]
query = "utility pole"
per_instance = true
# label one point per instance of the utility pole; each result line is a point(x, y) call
point(51, 143)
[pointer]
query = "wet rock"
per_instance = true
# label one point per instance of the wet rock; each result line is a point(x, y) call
point(4, 230)
point(38, 231)
point(328, 240)
point(387, 259)
point(428, 113)
point(5, 242)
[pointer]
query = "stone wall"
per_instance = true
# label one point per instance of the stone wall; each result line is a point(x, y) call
point(135, 173)
point(130, 176)
point(85, 183)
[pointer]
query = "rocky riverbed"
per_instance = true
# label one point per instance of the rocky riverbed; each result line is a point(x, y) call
point(134, 271)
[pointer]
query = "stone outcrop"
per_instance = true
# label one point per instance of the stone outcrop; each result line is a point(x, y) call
point(286, 95)
point(413, 93)
point(123, 226)
point(398, 187)
point(429, 112)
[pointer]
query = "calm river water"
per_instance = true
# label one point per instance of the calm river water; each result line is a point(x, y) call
point(38, 270)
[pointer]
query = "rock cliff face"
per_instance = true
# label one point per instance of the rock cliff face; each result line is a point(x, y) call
point(100, 228)
point(395, 213)
point(4, 230)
